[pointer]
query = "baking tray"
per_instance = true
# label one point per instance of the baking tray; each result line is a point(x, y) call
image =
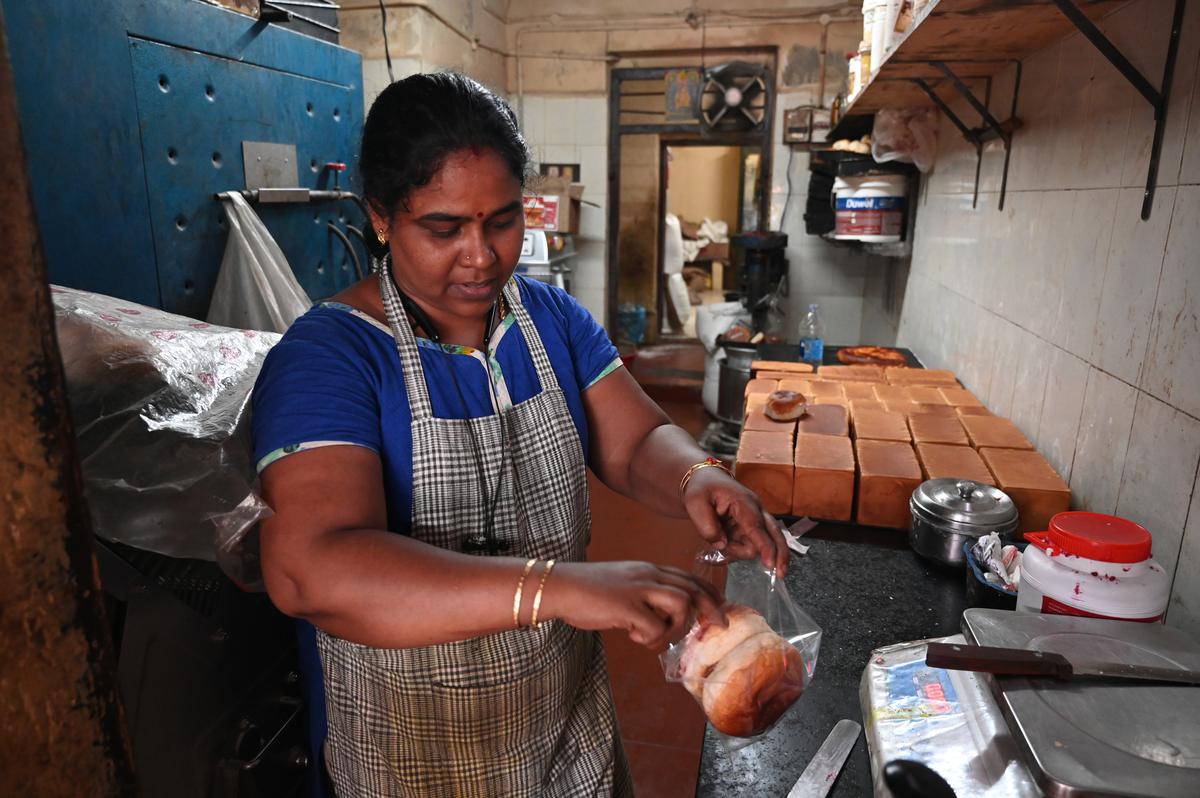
point(1091, 738)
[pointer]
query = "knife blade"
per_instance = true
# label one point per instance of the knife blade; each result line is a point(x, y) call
point(1024, 662)
point(823, 769)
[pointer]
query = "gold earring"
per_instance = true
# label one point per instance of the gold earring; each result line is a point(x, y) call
point(381, 236)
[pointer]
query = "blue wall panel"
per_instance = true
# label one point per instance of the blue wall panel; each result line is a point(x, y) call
point(97, 126)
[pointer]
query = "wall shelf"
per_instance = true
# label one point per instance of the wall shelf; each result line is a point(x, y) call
point(979, 37)
point(957, 43)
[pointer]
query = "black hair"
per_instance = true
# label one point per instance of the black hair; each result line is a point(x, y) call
point(415, 123)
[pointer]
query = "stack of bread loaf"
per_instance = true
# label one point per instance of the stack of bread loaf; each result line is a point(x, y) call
point(871, 435)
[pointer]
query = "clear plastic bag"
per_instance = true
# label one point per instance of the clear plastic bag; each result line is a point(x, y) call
point(746, 675)
point(256, 289)
point(161, 410)
point(908, 135)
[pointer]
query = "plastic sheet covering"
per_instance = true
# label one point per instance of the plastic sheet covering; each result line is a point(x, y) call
point(161, 410)
point(947, 720)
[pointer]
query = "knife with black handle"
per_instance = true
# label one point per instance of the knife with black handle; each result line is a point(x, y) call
point(1024, 662)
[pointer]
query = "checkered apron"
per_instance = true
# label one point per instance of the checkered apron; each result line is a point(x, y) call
point(520, 713)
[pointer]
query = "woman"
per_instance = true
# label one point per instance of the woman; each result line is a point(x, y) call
point(423, 439)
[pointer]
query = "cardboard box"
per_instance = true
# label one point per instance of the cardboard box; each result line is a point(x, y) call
point(553, 204)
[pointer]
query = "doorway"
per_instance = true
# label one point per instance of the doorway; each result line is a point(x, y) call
point(708, 194)
point(642, 126)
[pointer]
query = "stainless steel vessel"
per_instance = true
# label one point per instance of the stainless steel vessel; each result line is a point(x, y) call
point(735, 373)
point(948, 512)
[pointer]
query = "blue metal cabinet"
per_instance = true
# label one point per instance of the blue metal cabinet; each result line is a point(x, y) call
point(133, 113)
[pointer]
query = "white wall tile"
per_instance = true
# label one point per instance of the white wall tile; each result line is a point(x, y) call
point(1184, 610)
point(1086, 244)
point(1108, 407)
point(593, 222)
point(1160, 470)
point(1029, 384)
point(1172, 369)
point(1131, 284)
point(593, 166)
point(560, 122)
point(533, 121)
point(592, 120)
point(1037, 109)
point(1062, 407)
point(1011, 351)
point(1075, 69)
point(1189, 170)
point(560, 153)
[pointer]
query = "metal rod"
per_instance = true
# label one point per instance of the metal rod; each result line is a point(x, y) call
point(305, 3)
point(978, 167)
point(962, 88)
point(1106, 48)
point(1012, 116)
point(309, 20)
point(968, 134)
point(1160, 112)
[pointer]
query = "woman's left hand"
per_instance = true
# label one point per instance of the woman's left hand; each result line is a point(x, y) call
point(731, 519)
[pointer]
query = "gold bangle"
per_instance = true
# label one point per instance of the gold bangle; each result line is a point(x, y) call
point(520, 590)
point(537, 598)
point(708, 462)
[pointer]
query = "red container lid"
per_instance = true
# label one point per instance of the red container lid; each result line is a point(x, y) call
point(1094, 536)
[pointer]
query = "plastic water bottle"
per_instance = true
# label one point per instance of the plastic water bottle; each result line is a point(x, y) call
point(812, 337)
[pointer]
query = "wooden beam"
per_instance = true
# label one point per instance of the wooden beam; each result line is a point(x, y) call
point(62, 730)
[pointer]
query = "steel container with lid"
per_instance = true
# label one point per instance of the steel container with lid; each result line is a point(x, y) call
point(946, 513)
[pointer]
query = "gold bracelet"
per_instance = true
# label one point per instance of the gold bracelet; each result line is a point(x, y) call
point(537, 598)
point(708, 462)
point(520, 590)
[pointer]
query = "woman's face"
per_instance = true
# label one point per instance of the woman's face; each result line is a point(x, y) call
point(458, 241)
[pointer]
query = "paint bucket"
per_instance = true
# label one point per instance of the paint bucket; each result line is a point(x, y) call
point(870, 208)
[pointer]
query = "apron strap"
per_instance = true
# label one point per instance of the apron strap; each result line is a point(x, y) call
point(541, 361)
point(406, 344)
point(410, 357)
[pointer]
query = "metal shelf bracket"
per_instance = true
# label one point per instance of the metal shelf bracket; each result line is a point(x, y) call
point(992, 128)
point(1156, 97)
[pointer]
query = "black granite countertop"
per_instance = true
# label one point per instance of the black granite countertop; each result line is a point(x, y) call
point(865, 588)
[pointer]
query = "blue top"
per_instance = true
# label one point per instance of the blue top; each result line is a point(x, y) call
point(336, 378)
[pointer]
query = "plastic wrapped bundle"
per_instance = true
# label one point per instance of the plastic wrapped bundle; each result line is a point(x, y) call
point(161, 410)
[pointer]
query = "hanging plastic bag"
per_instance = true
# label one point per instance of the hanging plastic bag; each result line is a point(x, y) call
point(747, 674)
point(256, 289)
point(908, 135)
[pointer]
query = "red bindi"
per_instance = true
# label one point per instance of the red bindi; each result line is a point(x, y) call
point(479, 215)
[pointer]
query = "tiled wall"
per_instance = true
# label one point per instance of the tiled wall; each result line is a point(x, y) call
point(575, 130)
point(1067, 312)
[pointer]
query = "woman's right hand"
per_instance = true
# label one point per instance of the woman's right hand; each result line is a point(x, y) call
point(655, 604)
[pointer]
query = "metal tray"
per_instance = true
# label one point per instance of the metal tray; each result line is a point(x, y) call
point(1086, 738)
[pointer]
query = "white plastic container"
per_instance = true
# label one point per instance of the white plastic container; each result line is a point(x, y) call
point(870, 208)
point(1095, 566)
